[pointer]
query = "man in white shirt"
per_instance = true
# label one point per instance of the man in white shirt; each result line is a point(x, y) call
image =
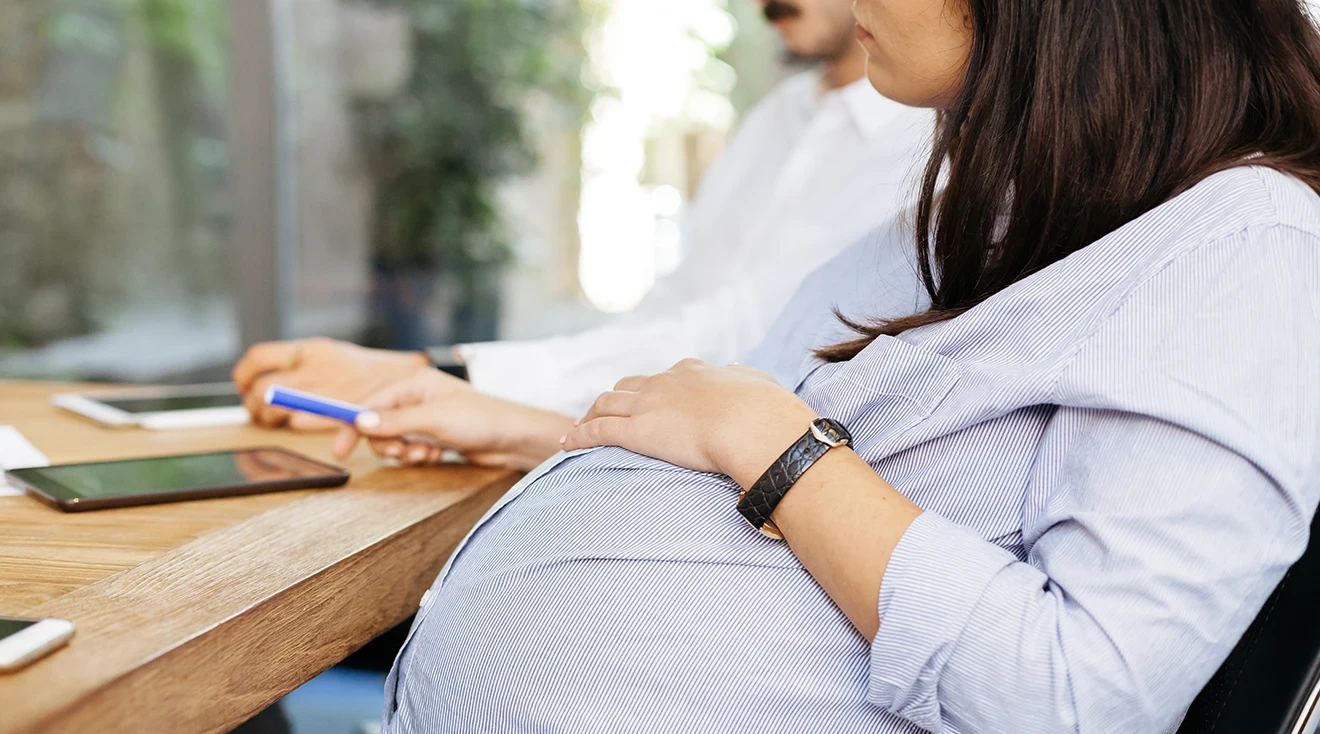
point(818, 162)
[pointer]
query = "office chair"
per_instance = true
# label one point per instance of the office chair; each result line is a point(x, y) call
point(1271, 681)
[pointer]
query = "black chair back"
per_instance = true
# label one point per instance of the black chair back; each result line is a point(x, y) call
point(1270, 682)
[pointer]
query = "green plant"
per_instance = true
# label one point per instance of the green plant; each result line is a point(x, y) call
point(440, 149)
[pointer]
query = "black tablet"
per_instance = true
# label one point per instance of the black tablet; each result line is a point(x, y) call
point(105, 484)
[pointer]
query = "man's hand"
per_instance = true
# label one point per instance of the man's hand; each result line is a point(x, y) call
point(326, 367)
point(417, 419)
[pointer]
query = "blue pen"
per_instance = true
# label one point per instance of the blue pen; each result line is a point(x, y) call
point(284, 397)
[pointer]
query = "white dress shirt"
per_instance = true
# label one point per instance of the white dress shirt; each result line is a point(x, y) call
point(806, 174)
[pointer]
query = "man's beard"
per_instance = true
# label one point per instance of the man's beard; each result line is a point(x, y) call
point(827, 51)
point(778, 10)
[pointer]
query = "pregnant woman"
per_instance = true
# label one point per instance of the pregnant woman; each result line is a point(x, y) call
point(1047, 495)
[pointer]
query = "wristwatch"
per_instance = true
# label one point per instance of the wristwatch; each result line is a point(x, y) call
point(446, 360)
point(760, 500)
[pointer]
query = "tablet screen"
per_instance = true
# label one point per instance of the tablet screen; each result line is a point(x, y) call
point(173, 402)
point(170, 473)
point(9, 626)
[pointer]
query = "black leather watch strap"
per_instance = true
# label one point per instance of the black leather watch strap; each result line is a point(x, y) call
point(444, 359)
point(761, 499)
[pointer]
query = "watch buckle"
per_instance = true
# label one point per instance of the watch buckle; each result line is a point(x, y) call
point(831, 442)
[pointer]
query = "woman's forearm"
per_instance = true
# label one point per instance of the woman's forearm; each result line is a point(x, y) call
point(527, 435)
point(840, 519)
point(843, 522)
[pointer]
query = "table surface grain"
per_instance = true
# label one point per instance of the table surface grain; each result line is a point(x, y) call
point(193, 616)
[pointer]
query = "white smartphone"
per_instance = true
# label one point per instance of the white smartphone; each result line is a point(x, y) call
point(182, 406)
point(24, 641)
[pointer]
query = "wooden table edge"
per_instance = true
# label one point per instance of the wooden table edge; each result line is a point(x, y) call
point(129, 694)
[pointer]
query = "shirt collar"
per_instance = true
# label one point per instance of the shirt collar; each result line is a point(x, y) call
point(870, 111)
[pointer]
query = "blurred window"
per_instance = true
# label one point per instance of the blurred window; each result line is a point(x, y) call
point(642, 146)
point(114, 200)
point(394, 172)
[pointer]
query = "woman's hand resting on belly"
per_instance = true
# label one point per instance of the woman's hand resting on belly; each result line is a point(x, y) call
point(725, 420)
point(841, 519)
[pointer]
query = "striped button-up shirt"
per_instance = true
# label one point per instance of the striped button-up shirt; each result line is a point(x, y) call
point(1118, 459)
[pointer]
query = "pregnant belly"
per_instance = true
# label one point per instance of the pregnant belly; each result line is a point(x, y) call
point(615, 504)
point(617, 593)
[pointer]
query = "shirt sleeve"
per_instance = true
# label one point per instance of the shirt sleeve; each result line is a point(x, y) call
point(565, 374)
point(1180, 485)
point(1164, 550)
point(674, 321)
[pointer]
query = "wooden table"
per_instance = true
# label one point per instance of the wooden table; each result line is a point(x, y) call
point(194, 616)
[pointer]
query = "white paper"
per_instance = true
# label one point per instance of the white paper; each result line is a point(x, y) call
point(16, 452)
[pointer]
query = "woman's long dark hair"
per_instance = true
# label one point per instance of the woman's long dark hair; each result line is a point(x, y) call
point(1077, 116)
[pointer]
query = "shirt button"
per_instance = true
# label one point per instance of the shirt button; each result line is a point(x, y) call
point(426, 599)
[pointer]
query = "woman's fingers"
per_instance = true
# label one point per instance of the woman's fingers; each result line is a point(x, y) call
point(631, 384)
point(605, 431)
point(419, 454)
point(391, 448)
point(419, 418)
point(308, 423)
point(614, 403)
point(345, 440)
point(406, 451)
point(416, 454)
